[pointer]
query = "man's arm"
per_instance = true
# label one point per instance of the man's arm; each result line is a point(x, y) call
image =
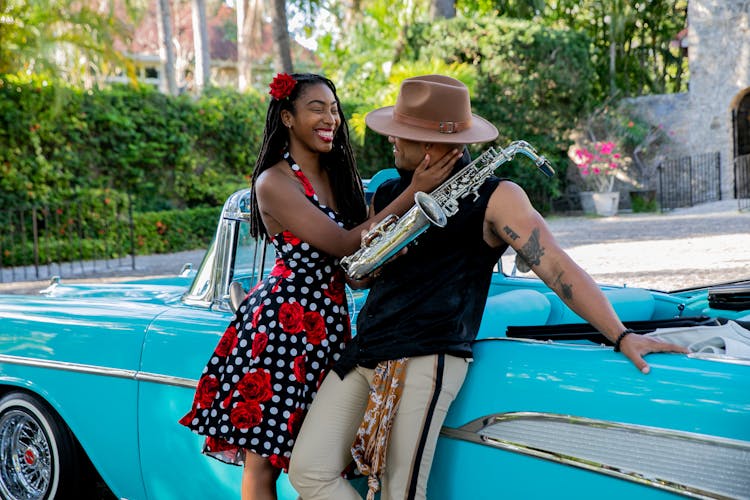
point(511, 218)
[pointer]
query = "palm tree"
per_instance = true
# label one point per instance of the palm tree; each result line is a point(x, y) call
point(59, 37)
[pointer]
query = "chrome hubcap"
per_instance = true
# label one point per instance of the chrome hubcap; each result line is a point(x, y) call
point(25, 457)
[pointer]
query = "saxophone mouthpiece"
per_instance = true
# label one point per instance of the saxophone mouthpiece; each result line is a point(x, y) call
point(546, 167)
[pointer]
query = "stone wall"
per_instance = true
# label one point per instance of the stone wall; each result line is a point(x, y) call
point(719, 59)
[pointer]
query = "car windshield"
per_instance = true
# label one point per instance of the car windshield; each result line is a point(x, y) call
point(252, 258)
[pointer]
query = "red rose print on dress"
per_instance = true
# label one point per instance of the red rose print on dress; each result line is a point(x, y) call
point(227, 400)
point(227, 343)
point(217, 444)
point(280, 462)
point(336, 291)
point(207, 388)
point(309, 191)
point(187, 419)
point(256, 386)
point(290, 238)
point(260, 341)
point(299, 368)
point(290, 317)
point(256, 316)
point(280, 270)
point(314, 327)
point(246, 415)
point(294, 422)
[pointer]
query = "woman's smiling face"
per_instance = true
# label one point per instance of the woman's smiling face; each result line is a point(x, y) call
point(315, 119)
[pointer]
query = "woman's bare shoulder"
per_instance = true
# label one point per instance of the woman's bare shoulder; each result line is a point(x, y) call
point(278, 176)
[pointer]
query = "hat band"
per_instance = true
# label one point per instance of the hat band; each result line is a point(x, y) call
point(444, 127)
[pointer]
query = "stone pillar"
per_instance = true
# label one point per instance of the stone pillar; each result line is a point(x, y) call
point(719, 59)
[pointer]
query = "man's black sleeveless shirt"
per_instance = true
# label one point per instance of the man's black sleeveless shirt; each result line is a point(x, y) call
point(430, 300)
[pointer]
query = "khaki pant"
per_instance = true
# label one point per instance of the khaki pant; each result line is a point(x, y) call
point(323, 447)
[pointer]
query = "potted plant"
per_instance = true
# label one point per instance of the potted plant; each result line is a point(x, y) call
point(597, 165)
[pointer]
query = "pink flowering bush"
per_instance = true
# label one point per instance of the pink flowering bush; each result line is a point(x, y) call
point(598, 166)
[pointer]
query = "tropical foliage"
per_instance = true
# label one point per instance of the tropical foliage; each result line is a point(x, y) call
point(537, 69)
point(66, 38)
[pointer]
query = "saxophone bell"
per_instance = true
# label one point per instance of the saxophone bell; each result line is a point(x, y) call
point(392, 234)
point(431, 209)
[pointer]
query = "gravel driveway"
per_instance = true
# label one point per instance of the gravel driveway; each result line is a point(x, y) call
point(701, 245)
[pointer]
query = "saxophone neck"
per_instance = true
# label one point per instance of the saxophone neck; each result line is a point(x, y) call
point(528, 150)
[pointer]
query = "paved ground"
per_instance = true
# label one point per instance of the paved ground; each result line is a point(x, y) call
point(700, 245)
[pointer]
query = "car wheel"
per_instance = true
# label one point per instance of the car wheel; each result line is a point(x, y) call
point(38, 456)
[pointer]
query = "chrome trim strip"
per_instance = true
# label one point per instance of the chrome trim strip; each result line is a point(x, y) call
point(166, 380)
point(99, 370)
point(722, 358)
point(471, 432)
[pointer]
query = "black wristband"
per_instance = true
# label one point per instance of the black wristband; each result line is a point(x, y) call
point(622, 336)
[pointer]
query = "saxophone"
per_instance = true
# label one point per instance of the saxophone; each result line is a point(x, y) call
point(393, 233)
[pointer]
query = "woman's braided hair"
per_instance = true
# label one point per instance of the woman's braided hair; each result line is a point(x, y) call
point(340, 164)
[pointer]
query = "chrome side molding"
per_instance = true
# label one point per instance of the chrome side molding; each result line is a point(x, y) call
point(691, 464)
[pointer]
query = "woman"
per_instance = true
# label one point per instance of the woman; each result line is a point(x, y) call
point(307, 198)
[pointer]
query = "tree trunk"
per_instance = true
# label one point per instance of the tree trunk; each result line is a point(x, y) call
point(445, 9)
point(248, 27)
point(166, 49)
point(281, 42)
point(201, 43)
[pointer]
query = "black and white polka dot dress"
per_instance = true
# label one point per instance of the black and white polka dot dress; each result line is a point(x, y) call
point(268, 365)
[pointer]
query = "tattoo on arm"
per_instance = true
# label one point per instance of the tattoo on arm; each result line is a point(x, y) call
point(566, 289)
point(532, 251)
point(511, 234)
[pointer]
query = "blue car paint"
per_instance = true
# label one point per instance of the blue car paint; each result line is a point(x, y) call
point(127, 420)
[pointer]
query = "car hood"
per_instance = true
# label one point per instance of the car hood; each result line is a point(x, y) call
point(120, 292)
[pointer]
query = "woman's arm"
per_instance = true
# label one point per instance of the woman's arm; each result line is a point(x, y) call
point(283, 202)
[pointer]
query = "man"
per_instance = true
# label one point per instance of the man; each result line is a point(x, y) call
point(427, 304)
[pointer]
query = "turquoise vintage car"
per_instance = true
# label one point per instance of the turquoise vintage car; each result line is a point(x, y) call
point(93, 379)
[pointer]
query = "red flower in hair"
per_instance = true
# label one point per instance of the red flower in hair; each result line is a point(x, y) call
point(282, 86)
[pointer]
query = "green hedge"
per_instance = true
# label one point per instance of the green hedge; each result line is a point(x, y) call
point(74, 232)
point(168, 152)
point(533, 83)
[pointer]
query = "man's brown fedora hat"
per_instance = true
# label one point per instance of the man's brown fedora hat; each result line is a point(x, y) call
point(432, 108)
